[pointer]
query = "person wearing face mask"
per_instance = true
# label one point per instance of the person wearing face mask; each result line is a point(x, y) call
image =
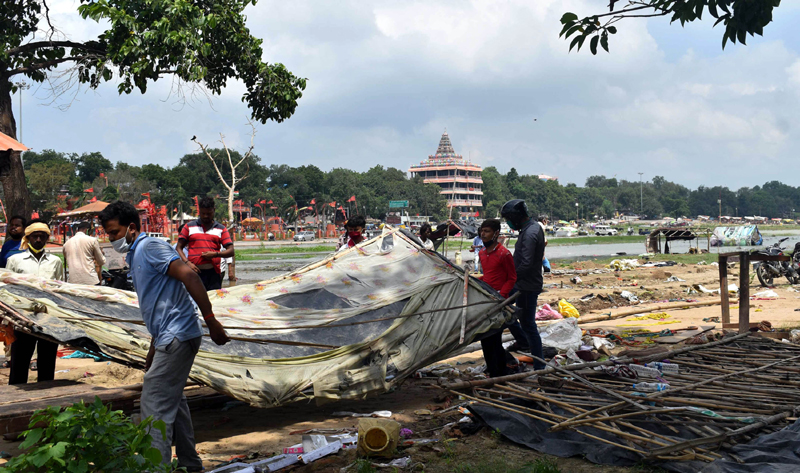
point(37, 261)
point(165, 286)
point(499, 273)
point(205, 237)
point(528, 255)
point(354, 233)
point(14, 233)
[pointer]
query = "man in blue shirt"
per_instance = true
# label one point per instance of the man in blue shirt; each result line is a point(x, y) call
point(14, 232)
point(164, 284)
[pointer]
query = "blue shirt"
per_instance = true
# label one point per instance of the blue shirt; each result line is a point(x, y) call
point(478, 243)
point(166, 306)
point(10, 248)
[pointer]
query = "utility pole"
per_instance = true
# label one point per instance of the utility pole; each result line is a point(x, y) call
point(20, 87)
point(719, 201)
point(641, 195)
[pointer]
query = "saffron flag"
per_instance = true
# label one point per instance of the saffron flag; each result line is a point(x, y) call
point(146, 194)
point(333, 204)
point(313, 201)
point(269, 202)
point(94, 199)
point(91, 189)
point(352, 199)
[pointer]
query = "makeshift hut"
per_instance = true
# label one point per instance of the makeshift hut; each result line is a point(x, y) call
point(653, 241)
point(351, 325)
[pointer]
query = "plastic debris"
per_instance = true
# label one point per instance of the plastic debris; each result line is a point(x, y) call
point(631, 297)
point(623, 264)
point(650, 387)
point(547, 313)
point(384, 414)
point(562, 335)
point(568, 310)
point(768, 294)
point(576, 280)
point(675, 279)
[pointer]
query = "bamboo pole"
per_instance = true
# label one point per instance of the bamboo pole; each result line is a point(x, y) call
point(658, 356)
point(642, 310)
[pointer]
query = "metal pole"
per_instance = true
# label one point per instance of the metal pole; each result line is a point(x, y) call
point(641, 195)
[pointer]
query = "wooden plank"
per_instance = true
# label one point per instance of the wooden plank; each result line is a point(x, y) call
point(685, 335)
point(744, 293)
point(10, 394)
point(15, 417)
point(723, 283)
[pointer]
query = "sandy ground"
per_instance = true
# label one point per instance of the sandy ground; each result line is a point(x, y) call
point(242, 430)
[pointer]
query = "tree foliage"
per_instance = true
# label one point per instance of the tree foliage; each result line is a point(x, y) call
point(204, 43)
point(739, 18)
point(87, 438)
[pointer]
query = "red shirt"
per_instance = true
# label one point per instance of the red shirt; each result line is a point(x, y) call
point(198, 241)
point(498, 269)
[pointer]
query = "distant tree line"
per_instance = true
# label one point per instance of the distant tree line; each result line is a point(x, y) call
point(56, 179)
point(658, 198)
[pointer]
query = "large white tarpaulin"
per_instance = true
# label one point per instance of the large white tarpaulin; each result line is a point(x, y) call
point(339, 328)
point(745, 235)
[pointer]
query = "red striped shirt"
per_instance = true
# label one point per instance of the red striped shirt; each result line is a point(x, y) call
point(199, 240)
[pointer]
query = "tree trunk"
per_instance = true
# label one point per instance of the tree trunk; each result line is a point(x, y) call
point(12, 175)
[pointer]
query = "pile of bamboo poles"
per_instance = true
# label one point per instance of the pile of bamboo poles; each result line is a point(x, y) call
point(724, 393)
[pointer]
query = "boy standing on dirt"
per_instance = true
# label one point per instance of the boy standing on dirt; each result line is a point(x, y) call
point(164, 284)
point(498, 272)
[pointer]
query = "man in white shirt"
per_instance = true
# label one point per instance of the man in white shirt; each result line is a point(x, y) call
point(35, 260)
point(84, 258)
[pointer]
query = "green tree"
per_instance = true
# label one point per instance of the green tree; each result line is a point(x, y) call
point(46, 181)
point(196, 43)
point(110, 194)
point(91, 165)
point(739, 17)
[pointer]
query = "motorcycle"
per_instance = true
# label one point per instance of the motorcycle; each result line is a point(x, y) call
point(118, 279)
point(768, 270)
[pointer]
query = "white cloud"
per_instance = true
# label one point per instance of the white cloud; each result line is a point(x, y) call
point(386, 78)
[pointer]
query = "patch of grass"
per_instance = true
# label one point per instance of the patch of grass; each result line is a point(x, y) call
point(501, 465)
point(254, 253)
point(678, 258)
point(595, 240)
point(362, 465)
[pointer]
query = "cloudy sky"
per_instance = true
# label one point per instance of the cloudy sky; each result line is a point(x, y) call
point(386, 78)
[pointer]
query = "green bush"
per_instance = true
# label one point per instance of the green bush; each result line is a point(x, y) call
point(88, 438)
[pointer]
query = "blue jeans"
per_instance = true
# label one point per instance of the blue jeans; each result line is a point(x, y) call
point(526, 314)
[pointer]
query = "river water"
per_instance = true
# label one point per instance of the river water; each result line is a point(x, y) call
point(260, 270)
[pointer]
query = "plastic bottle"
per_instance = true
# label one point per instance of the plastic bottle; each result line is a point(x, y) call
point(670, 368)
point(650, 387)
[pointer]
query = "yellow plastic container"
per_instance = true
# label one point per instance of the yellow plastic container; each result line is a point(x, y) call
point(377, 437)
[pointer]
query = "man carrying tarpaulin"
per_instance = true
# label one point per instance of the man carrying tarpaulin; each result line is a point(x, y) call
point(528, 254)
point(34, 260)
point(164, 284)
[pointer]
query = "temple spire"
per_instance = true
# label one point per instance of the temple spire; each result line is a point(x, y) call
point(445, 149)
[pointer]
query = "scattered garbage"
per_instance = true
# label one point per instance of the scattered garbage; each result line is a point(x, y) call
point(384, 414)
point(650, 387)
point(567, 310)
point(562, 335)
point(547, 313)
point(675, 279)
point(631, 297)
point(670, 368)
point(768, 294)
point(644, 371)
point(80, 354)
point(576, 280)
point(406, 433)
point(795, 333)
point(732, 289)
point(623, 264)
point(377, 437)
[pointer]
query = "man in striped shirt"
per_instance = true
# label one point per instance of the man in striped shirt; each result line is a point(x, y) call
point(204, 237)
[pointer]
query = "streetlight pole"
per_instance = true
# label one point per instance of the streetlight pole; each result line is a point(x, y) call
point(577, 214)
point(20, 87)
point(641, 195)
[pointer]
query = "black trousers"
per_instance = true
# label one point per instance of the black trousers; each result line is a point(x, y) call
point(211, 279)
point(22, 352)
point(494, 354)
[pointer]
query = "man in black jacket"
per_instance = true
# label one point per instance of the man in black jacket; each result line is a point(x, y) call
point(528, 255)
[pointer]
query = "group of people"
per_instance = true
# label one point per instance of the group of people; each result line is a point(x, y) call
point(171, 287)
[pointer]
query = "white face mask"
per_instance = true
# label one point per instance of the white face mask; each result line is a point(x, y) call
point(121, 245)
